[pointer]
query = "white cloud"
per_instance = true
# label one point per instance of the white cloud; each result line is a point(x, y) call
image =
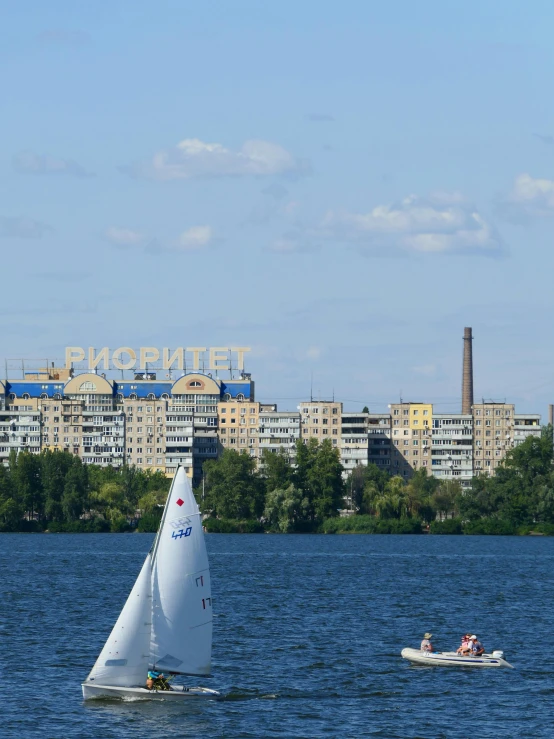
point(285, 245)
point(530, 197)
point(313, 352)
point(428, 370)
point(194, 158)
point(27, 162)
point(195, 238)
point(441, 223)
point(23, 228)
point(125, 236)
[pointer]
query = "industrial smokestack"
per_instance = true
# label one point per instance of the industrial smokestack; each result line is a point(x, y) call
point(467, 378)
point(551, 415)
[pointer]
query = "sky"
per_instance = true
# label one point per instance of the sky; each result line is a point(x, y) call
point(341, 186)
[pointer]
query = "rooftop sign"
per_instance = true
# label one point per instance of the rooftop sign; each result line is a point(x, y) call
point(193, 358)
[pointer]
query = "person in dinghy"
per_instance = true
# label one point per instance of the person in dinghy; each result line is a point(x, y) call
point(477, 649)
point(426, 645)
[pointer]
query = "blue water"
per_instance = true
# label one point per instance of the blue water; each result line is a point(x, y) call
point(307, 636)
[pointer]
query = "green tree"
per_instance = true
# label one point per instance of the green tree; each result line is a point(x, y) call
point(11, 511)
point(276, 469)
point(233, 487)
point(446, 497)
point(75, 492)
point(325, 483)
point(27, 480)
point(285, 507)
point(54, 468)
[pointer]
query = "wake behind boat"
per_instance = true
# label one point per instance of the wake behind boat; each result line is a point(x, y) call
point(453, 659)
point(166, 624)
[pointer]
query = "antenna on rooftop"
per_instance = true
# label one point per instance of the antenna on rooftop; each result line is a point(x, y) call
point(311, 386)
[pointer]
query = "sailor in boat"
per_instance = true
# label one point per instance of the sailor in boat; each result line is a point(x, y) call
point(477, 649)
point(426, 645)
point(157, 681)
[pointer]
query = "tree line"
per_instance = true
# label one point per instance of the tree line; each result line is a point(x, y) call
point(307, 495)
point(55, 490)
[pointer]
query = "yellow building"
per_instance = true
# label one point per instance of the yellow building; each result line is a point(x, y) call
point(411, 429)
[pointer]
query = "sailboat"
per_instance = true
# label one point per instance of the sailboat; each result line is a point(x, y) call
point(166, 623)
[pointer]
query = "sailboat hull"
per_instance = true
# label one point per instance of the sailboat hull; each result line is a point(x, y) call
point(178, 692)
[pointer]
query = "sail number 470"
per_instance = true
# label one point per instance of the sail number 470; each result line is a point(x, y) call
point(182, 532)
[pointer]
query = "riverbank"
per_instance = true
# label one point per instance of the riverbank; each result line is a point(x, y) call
point(347, 525)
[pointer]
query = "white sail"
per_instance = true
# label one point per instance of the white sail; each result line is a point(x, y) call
point(124, 659)
point(181, 595)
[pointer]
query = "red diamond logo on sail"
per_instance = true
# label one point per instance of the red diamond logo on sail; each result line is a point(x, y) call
point(180, 502)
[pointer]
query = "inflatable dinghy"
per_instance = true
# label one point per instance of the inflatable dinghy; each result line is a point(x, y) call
point(453, 659)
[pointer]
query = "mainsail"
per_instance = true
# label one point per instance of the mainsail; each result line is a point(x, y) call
point(181, 594)
point(166, 623)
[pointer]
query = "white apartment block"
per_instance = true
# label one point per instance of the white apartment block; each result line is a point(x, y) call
point(353, 441)
point(526, 425)
point(278, 430)
point(452, 448)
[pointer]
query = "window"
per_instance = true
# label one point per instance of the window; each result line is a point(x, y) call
point(195, 383)
point(416, 413)
point(396, 412)
point(335, 411)
point(416, 422)
point(425, 413)
point(86, 387)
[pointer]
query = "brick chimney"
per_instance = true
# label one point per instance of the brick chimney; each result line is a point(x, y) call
point(467, 377)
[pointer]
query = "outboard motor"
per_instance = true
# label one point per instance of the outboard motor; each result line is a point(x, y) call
point(498, 654)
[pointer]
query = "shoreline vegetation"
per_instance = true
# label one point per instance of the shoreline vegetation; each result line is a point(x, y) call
point(55, 492)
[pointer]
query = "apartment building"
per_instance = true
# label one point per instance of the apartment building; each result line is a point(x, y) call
point(151, 424)
point(19, 426)
point(278, 430)
point(452, 447)
point(238, 422)
point(354, 441)
point(321, 419)
point(411, 437)
point(493, 427)
point(526, 425)
point(379, 440)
